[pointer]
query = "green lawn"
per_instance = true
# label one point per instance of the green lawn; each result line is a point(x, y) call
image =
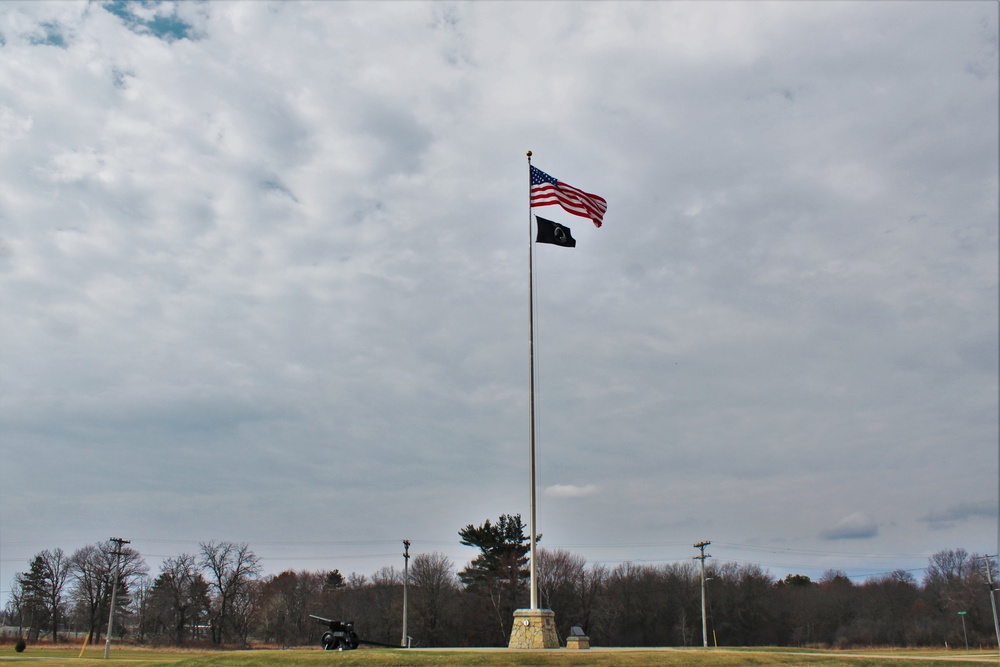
point(123, 657)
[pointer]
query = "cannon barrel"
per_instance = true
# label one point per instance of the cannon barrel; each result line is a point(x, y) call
point(334, 624)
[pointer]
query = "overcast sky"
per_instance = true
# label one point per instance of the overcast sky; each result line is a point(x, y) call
point(264, 278)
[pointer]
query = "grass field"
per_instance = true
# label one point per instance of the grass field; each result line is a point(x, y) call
point(128, 657)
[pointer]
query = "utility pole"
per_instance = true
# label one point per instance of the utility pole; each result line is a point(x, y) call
point(704, 622)
point(993, 590)
point(406, 584)
point(114, 589)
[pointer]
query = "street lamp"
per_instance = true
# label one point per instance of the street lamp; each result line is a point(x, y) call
point(962, 614)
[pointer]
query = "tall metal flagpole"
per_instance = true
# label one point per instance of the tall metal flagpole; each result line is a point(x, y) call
point(531, 390)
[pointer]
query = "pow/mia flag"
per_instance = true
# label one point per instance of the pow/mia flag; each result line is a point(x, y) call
point(554, 233)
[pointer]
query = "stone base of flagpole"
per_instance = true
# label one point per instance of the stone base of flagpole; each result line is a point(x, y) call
point(534, 628)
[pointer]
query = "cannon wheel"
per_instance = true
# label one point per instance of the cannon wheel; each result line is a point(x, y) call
point(329, 641)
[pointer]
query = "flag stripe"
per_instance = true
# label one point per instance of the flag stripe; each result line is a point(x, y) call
point(549, 191)
point(573, 200)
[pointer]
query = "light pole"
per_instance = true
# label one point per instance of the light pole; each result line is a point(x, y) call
point(962, 614)
point(406, 585)
point(704, 623)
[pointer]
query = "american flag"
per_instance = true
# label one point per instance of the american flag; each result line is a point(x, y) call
point(546, 191)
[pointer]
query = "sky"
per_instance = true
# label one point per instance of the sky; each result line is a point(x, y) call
point(264, 278)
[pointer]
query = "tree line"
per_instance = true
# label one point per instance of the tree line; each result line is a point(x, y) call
point(219, 596)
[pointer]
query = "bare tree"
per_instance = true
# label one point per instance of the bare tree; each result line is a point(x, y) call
point(745, 603)
point(883, 605)
point(33, 586)
point(434, 593)
point(178, 599)
point(92, 580)
point(557, 569)
point(387, 599)
point(244, 609)
point(956, 581)
point(14, 610)
point(92, 568)
point(588, 587)
point(286, 601)
point(53, 571)
point(142, 589)
point(630, 614)
point(948, 578)
point(231, 567)
point(562, 580)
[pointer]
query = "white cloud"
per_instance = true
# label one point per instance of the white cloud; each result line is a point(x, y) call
point(571, 490)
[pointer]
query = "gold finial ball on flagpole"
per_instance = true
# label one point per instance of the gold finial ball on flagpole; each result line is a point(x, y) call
point(529, 153)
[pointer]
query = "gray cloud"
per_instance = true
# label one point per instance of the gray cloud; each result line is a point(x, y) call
point(856, 526)
point(964, 511)
point(263, 259)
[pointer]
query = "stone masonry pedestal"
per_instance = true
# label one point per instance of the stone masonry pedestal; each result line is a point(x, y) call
point(534, 628)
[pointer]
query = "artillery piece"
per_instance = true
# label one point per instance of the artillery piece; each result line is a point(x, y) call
point(340, 636)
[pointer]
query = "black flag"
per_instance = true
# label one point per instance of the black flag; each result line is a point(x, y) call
point(554, 233)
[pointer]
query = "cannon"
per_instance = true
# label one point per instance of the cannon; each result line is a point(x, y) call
point(340, 635)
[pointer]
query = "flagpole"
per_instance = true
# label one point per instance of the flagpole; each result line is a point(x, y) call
point(531, 391)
